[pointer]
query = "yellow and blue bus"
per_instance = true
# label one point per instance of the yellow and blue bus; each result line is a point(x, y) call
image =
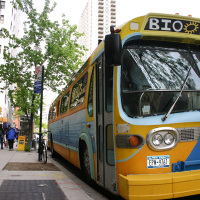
point(130, 117)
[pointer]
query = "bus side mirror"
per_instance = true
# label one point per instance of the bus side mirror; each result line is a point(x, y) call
point(113, 48)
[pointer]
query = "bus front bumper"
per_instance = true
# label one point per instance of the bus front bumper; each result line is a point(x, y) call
point(159, 186)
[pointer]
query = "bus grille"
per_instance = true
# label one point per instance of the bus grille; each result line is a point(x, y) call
point(188, 134)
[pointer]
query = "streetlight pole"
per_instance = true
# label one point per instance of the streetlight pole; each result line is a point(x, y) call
point(41, 103)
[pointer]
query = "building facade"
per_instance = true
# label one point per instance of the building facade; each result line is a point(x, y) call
point(95, 22)
point(9, 19)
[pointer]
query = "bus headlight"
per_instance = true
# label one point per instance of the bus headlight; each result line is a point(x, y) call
point(157, 139)
point(163, 138)
point(169, 138)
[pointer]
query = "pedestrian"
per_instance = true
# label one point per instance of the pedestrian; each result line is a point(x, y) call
point(1, 135)
point(11, 136)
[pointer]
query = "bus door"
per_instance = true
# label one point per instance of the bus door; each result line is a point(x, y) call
point(104, 126)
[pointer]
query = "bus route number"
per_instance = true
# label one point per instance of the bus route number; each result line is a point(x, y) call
point(158, 161)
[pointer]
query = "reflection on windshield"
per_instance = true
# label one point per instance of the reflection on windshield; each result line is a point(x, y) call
point(152, 78)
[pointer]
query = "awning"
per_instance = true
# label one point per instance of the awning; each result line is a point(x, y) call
point(3, 119)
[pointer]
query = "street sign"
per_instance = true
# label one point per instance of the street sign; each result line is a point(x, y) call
point(37, 87)
point(38, 79)
point(38, 72)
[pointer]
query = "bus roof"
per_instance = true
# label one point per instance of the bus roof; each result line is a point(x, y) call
point(164, 27)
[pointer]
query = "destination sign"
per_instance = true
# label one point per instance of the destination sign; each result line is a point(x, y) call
point(173, 25)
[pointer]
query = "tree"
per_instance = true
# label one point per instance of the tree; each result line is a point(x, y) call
point(45, 43)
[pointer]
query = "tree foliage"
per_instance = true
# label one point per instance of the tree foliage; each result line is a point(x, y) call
point(45, 43)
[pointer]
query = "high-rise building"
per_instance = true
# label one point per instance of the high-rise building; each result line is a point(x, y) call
point(9, 19)
point(106, 17)
point(95, 22)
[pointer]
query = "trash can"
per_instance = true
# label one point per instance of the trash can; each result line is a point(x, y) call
point(21, 143)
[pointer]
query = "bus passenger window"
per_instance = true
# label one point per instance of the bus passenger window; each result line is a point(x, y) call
point(50, 115)
point(64, 103)
point(90, 96)
point(78, 91)
point(110, 145)
point(54, 112)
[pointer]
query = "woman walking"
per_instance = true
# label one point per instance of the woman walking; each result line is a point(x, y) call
point(11, 136)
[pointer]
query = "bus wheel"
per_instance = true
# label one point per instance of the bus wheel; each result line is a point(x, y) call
point(85, 161)
point(53, 153)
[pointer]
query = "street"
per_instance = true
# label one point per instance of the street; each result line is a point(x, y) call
point(92, 189)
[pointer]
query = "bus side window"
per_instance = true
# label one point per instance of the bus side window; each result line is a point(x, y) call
point(54, 112)
point(90, 96)
point(64, 103)
point(78, 91)
point(50, 115)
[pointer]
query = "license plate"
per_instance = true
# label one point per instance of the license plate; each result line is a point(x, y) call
point(158, 161)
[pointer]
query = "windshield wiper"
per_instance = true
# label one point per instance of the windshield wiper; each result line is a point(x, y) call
point(172, 107)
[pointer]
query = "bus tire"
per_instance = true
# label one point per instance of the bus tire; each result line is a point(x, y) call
point(84, 160)
point(53, 153)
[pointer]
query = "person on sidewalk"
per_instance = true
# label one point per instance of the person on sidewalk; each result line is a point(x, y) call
point(1, 135)
point(11, 136)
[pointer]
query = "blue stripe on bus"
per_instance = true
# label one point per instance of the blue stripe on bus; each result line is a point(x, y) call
point(67, 130)
point(130, 156)
point(133, 36)
point(97, 56)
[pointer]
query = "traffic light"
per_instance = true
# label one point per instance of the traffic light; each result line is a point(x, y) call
point(0, 110)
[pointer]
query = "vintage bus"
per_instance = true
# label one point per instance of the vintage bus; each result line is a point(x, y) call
point(130, 117)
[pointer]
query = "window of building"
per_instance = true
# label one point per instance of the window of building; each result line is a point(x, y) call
point(1, 19)
point(2, 4)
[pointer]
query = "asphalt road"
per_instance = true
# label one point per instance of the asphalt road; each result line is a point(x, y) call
point(91, 188)
point(96, 192)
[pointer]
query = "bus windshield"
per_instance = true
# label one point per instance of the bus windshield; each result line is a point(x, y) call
point(153, 74)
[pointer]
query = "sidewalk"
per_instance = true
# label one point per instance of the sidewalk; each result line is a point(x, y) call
point(44, 185)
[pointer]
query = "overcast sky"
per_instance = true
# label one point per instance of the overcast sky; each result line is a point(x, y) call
point(128, 9)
